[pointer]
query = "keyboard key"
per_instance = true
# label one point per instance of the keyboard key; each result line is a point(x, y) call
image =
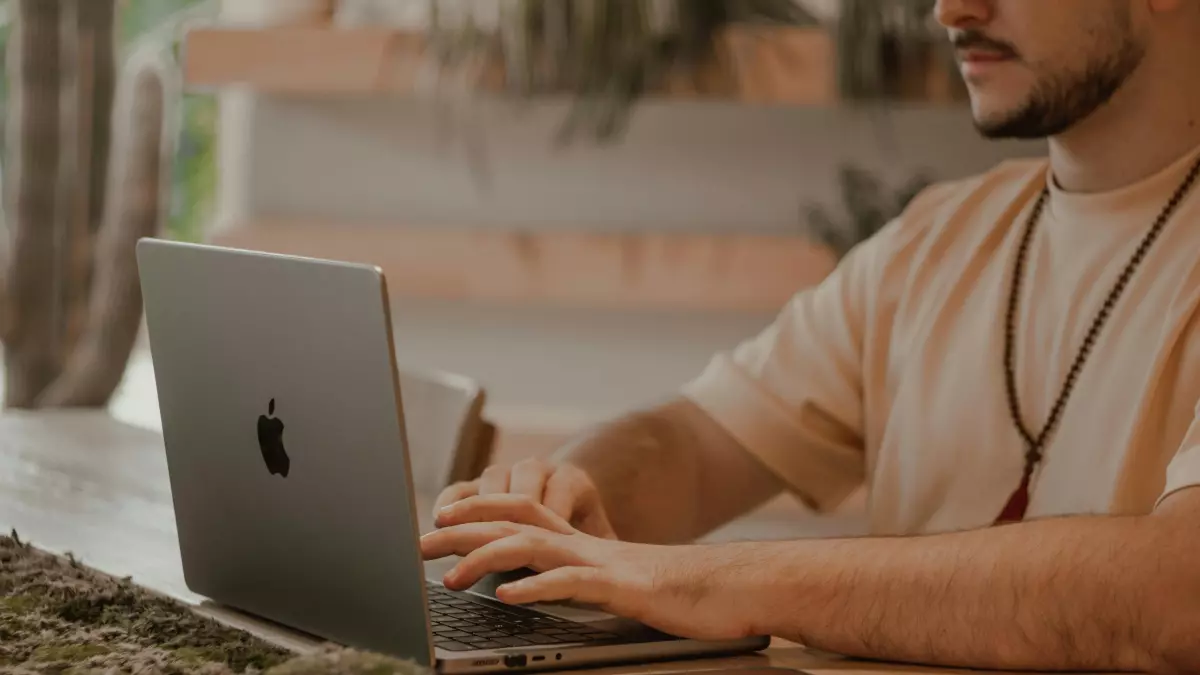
point(598, 635)
point(543, 639)
point(552, 632)
point(476, 630)
point(510, 641)
point(458, 623)
point(452, 646)
point(491, 635)
point(453, 635)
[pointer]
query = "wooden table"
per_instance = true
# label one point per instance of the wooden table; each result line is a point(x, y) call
point(82, 483)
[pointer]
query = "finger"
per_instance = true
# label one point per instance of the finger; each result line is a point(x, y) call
point(528, 478)
point(540, 551)
point(464, 539)
point(570, 494)
point(494, 480)
point(455, 493)
point(502, 508)
point(586, 585)
point(593, 519)
point(563, 492)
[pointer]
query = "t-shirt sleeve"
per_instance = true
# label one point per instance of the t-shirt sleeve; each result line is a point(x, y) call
point(1184, 471)
point(793, 395)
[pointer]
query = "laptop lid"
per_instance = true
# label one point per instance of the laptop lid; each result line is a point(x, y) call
point(282, 420)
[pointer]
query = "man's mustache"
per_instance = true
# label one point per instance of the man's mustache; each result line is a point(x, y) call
point(974, 39)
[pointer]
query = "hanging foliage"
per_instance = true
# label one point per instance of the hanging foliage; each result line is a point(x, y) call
point(606, 54)
point(888, 49)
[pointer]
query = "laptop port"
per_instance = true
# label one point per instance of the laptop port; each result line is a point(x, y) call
point(538, 658)
point(516, 661)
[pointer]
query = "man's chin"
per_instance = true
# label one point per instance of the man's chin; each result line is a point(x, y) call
point(995, 130)
point(1016, 124)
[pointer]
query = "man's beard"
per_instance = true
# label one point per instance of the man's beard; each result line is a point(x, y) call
point(1063, 100)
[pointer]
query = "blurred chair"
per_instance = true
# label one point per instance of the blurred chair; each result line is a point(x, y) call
point(448, 438)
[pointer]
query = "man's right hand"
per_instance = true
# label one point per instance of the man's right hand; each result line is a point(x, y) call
point(563, 488)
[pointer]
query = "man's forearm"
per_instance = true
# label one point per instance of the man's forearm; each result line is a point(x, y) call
point(1081, 593)
point(649, 485)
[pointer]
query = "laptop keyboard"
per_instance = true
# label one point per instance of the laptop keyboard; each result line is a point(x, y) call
point(463, 622)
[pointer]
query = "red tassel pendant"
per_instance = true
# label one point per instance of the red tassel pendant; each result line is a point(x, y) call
point(1014, 511)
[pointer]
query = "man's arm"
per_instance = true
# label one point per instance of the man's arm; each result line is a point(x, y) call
point(665, 475)
point(1105, 593)
point(670, 474)
point(790, 398)
point(1077, 593)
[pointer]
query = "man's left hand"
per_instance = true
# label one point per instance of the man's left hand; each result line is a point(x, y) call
point(689, 591)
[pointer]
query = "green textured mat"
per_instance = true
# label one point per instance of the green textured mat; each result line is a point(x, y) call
point(57, 616)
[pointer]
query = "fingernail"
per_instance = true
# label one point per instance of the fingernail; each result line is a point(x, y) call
point(510, 593)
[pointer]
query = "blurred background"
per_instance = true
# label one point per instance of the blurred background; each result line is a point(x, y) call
point(577, 202)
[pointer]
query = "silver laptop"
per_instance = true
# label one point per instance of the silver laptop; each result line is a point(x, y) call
point(282, 417)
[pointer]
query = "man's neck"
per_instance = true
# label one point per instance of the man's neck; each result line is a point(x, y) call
point(1139, 133)
point(1151, 122)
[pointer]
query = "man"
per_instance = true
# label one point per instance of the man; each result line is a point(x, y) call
point(1012, 368)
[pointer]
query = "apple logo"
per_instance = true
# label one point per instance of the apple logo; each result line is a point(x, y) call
point(270, 440)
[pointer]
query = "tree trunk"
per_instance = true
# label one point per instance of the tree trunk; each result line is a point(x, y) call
point(33, 307)
point(70, 302)
point(142, 152)
point(90, 60)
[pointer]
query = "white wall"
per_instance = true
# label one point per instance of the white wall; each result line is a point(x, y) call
point(714, 167)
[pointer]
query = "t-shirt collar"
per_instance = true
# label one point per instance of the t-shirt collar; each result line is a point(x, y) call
point(1147, 196)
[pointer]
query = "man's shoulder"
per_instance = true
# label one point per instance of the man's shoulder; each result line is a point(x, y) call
point(952, 218)
point(1004, 183)
point(960, 207)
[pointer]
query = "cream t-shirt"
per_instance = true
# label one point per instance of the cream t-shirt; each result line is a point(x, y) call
point(890, 372)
